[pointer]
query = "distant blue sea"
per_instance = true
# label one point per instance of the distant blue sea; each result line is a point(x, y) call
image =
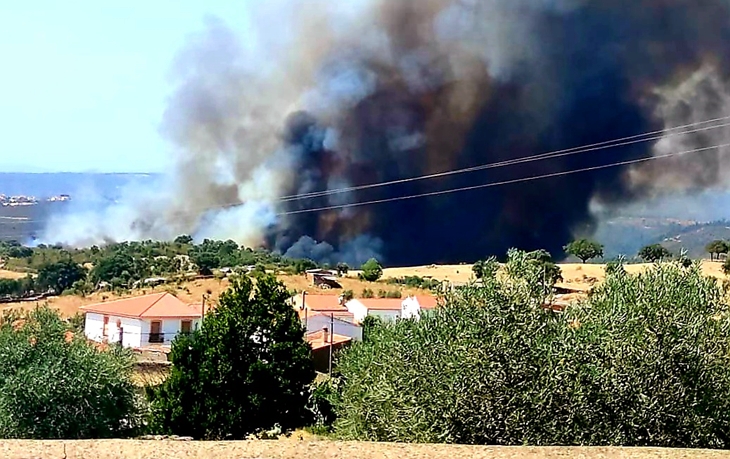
point(78, 185)
point(23, 223)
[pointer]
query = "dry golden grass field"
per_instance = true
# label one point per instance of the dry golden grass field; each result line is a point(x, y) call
point(5, 274)
point(574, 275)
point(294, 449)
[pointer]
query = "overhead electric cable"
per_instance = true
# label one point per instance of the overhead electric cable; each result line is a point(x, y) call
point(504, 182)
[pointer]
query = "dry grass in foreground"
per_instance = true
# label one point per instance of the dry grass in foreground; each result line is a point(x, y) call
point(293, 449)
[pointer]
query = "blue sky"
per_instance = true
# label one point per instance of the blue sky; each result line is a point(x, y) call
point(83, 83)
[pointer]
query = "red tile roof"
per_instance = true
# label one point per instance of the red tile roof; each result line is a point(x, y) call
point(155, 306)
point(320, 303)
point(316, 339)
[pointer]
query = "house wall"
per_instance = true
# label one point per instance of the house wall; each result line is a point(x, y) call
point(410, 308)
point(94, 329)
point(317, 322)
point(94, 326)
point(321, 356)
point(387, 315)
point(170, 329)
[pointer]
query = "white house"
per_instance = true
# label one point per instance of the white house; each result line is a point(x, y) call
point(317, 321)
point(142, 321)
point(320, 311)
point(390, 308)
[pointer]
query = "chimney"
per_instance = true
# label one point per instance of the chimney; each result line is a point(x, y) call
point(325, 335)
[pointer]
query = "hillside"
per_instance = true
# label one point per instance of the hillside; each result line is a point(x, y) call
point(194, 291)
point(625, 236)
point(696, 237)
point(574, 275)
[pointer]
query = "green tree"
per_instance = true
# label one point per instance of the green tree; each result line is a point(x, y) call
point(715, 248)
point(371, 270)
point(616, 267)
point(184, 240)
point(303, 265)
point(485, 268)
point(347, 295)
point(655, 252)
point(60, 276)
point(206, 262)
point(246, 369)
point(119, 266)
point(532, 275)
point(584, 249)
point(54, 385)
point(342, 269)
point(369, 324)
point(643, 362)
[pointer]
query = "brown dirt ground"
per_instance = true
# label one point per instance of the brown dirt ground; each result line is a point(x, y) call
point(580, 275)
point(294, 449)
point(193, 292)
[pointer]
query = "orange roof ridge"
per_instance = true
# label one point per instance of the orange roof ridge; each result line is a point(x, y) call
point(157, 301)
point(127, 298)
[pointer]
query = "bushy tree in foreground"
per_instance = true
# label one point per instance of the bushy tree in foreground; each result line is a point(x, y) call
point(246, 369)
point(55, 385)
point(642, 363)
point(532, 275)
point(485, 268)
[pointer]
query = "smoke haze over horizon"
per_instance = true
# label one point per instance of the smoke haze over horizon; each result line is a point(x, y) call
point(328, 96)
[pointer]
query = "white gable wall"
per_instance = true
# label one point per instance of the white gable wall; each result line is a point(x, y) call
point(94, 329)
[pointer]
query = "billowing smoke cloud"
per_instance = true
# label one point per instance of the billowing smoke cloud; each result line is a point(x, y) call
point(331, 96)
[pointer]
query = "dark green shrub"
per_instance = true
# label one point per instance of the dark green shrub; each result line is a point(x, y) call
point(54, 385)
point(245, 370)
point(323, 398)
point(371, 270)
point(642, 363)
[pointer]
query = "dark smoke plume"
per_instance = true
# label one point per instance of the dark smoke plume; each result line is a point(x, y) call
point(374, 91)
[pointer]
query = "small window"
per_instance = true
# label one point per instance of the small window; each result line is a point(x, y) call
point(186, 326)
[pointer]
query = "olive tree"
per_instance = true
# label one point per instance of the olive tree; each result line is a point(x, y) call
point(715, 248)
point(642, 362)
point(655, 252)
point(56, 385)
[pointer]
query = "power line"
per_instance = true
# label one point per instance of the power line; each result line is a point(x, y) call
point(504, 182)
point(637, 138)
point(654, 135)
